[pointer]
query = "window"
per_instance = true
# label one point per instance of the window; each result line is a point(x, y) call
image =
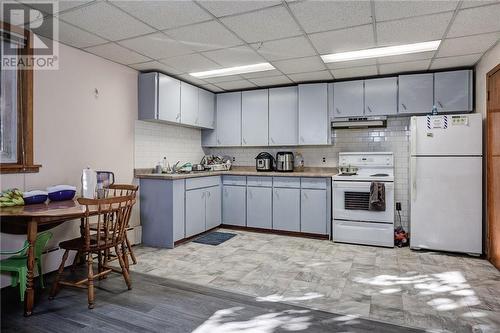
point(16, 107)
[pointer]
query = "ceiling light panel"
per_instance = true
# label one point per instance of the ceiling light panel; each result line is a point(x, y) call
point(264, 66)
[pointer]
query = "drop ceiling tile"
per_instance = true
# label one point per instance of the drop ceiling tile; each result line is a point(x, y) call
point(226, 78)
point(343, 73)
point(450, 62)
point(211, 87)
point(344, 40)
point(467, 45)
point(476, 20)
point(106, 21)
point(205, 36)
point(190, 63)
point(413, 30)
point(117, 53)
point(234, 85)
point(191, 79)
point(222, 8)
point(410, 66)
point(475, 3)
point(299, 65)
point(287, 48)
point(271, 81)
point(156, 46)
point(62, 6)
point(406, 57)
point(390, 10)
point(234, 56)
point(317, 16)
point(155, 66)
point(311, 76)
point(272, 72)
point(76, 37)
point(352, 63)
point(266, 24)
point(165, 14)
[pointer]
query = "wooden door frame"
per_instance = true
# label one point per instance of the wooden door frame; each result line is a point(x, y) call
point(489, 170)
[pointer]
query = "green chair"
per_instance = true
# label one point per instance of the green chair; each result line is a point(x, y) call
point(17, 264)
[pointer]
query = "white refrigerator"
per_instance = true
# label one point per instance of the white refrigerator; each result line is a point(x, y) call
point(446, 183)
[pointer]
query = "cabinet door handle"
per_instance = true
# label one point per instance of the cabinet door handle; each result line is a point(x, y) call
point(338, 111)
point(301, 139)
point(196, 120)
point(208, 193)
point(305, 195)
point(225, 192)
point(272, 140)
point(404, 106)
point(276, 194)
point(244, 141)
point(203, 194)
point(250, 195)
point(369, 110)
point(440, 105)
point(218, 141)
point(178, 116)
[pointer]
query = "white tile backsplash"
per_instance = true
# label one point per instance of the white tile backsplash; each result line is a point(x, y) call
point(394, 138)
point(153, 141)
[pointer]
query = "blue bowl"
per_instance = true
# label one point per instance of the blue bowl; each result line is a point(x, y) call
point(62, 195)
point(36, 199)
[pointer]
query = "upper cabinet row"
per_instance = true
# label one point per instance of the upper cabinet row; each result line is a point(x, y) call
point(284, 116)
point(163, 98)
point(405, 94)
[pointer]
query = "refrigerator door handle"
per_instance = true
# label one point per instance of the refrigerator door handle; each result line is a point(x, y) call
point(413, 136)
point(413, 173)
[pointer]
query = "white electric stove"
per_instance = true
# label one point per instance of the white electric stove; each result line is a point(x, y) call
point(353, 221)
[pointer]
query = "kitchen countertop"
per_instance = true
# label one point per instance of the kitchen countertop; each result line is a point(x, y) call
point(238, 171)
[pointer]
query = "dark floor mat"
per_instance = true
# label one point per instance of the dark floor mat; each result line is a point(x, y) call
point(214, 238)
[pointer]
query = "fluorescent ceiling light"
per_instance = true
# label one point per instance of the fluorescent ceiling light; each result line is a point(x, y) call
point(264, 66)
point(382, 51)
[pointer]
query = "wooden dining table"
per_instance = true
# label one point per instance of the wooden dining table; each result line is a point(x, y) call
point(29, 220)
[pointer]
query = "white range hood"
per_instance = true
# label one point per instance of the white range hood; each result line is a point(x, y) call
point(359, 122)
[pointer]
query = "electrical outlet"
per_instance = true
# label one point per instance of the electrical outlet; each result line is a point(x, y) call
point(398, 206)
point(234, 159)
point(324, 159)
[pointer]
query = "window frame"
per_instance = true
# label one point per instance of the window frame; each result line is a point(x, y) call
point(25, 161)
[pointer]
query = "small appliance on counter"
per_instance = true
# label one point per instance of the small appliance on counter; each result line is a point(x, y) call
point(264, 162)
point(284, 161)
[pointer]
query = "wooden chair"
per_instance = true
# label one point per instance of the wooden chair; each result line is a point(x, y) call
point(111, 222)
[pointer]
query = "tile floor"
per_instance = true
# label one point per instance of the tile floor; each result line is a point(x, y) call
point(419, 289)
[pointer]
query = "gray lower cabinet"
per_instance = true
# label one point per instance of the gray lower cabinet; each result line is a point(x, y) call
point(212, 207)
point(286, 209)
point(313, 211)
point(416, 93)
point(381, 96)
point(259, 207)
point(283, 116)
point(453, 91)
point(234, 205)
point(348, 99)
point(195, 212)
point(254, 118)
point(228, 116)
point(314, 122)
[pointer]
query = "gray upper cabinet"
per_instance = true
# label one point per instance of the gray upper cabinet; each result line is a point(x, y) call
point(234, 205)
point(213, 207)
point(381, 96)
point(416, 93)
point(283, 116)
point(254, 117)
point(313, 211)
point(195, 212)
point(189, 104)
point(259, 207)
point(314, 122)
point(206, 109)
point(286, 209)
point(229, 119)
point(169, 98)
point(348, 99)
point(159, 97)
point(453, 91)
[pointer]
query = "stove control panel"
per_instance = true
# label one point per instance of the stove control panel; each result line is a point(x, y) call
point(366, 159)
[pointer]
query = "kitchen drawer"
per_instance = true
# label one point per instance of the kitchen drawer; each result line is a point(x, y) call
point(234, 180)
point(259, 181)
point(381, 234)
point(293, 182)
point(192, 183)
point(314, 183)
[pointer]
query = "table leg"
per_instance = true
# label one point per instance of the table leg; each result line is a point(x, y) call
point(29, 298)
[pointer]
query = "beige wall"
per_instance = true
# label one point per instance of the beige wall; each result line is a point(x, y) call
point(489, 60)
point(73, 128)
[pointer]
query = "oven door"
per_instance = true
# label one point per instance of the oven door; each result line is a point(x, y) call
point(351, 202)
